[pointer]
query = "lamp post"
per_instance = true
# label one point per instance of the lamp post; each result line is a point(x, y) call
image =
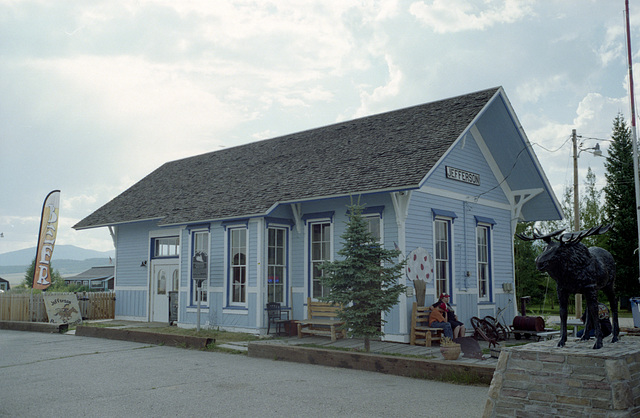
point(576, 199)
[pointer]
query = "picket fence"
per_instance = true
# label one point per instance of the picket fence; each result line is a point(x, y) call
point(28, 307)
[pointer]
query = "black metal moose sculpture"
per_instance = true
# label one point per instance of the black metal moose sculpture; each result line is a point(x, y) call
point(578, 269)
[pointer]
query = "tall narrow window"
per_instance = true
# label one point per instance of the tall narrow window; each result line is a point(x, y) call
point(175, 281)
point(276, 265)
point(238, 265)
point(200, 266)
point(320, 252)
point(442, 256)
point(374, 227)
point(482, 233)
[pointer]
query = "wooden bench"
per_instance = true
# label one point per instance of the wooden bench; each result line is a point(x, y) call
point(321, 320)
point(421, 332)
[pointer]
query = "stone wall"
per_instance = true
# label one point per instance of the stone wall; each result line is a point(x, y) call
point(540, 379)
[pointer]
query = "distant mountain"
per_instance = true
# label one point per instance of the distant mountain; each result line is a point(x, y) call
point(60, 252)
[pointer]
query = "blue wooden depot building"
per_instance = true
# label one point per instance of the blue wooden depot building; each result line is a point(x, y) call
point(451, 178)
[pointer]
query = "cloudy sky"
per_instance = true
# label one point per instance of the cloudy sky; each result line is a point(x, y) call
point(96, 94)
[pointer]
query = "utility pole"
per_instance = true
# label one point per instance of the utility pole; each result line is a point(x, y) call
point(576, 208)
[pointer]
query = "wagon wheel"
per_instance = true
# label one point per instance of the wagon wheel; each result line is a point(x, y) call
point(480, 328)
point(498, 330)
point(477, 330)
point(489, 330)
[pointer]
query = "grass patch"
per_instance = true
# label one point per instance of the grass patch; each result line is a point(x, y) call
point(538, 310)
point(461, 378)
point(100, 325)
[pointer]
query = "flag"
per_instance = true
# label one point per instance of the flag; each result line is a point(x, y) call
point(46, 240)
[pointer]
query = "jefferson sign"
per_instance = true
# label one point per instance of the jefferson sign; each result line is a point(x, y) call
point(463, 176)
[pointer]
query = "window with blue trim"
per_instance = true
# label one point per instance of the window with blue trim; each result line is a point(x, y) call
point(442, 238)
point(166, 247)
point(320, 251)
point(276, 264)
point(199, 266)
point(483, 240)
point(374, 226)
point(238, 265)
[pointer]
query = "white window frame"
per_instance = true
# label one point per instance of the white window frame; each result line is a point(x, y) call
point(232, 267)
point(484, 264)
point(283, 265)
point(205, 284)
point(369, 217)
point(313, 261)
point(166, 247)
point(448, 279)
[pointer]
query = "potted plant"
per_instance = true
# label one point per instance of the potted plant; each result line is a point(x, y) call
point(449, 349)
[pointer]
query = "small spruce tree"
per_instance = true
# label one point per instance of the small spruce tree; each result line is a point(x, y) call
point(364, 281)
point(57, 282)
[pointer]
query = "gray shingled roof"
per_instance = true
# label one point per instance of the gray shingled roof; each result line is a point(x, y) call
point(393, 150)
point(100, 272)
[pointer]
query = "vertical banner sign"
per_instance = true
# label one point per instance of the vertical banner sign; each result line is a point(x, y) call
point(46, 240)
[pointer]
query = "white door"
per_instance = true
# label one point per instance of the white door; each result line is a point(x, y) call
point(163, 280)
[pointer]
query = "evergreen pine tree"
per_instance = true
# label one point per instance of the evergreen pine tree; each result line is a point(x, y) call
point(620, 209)
point(364, 281)
point(56, 279)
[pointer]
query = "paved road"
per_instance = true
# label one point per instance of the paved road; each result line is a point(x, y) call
point(67, 376)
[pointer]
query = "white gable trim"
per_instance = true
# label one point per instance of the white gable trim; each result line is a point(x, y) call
point(519, 198)
point(462, 136)
point(465, 198)
point(531, 154)
point(491, 161)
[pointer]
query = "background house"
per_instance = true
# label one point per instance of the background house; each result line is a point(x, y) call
point(96, 278)
point(452, 177)
point(4, 284)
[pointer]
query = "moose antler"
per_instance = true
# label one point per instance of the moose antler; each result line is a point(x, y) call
point(538, 235)
point(573, 237)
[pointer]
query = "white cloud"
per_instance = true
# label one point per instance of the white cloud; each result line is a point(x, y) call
point(533, 90)
point(613, 46)
point(370, 101)
point(445, 16)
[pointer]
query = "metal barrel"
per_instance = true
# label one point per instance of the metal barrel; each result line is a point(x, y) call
point(528, 323)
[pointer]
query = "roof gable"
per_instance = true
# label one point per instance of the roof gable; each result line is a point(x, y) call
point(389, 151)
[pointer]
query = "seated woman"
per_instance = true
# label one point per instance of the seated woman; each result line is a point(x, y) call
point(438, 319)
point(458, 327)
point(603, 318)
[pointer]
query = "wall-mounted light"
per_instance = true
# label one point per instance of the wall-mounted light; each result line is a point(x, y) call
point(143, 264)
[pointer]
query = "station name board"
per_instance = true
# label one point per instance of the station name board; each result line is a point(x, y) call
point(463, 176)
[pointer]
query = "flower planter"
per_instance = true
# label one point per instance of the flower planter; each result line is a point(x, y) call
point(450, 352)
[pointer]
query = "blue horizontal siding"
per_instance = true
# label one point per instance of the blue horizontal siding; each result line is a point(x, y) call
point(131, 303)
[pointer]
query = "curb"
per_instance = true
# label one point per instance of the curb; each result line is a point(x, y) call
point(399, 366)
point(34, 326)
point(182, 341)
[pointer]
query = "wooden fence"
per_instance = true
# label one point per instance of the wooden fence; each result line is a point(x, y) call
point(28, 307)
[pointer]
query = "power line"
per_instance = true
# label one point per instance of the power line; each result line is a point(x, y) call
point(555, 150)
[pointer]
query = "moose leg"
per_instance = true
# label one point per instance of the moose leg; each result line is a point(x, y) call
point(613, 304)
point(563, 301)
point(592, 312)
point(586, 335)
